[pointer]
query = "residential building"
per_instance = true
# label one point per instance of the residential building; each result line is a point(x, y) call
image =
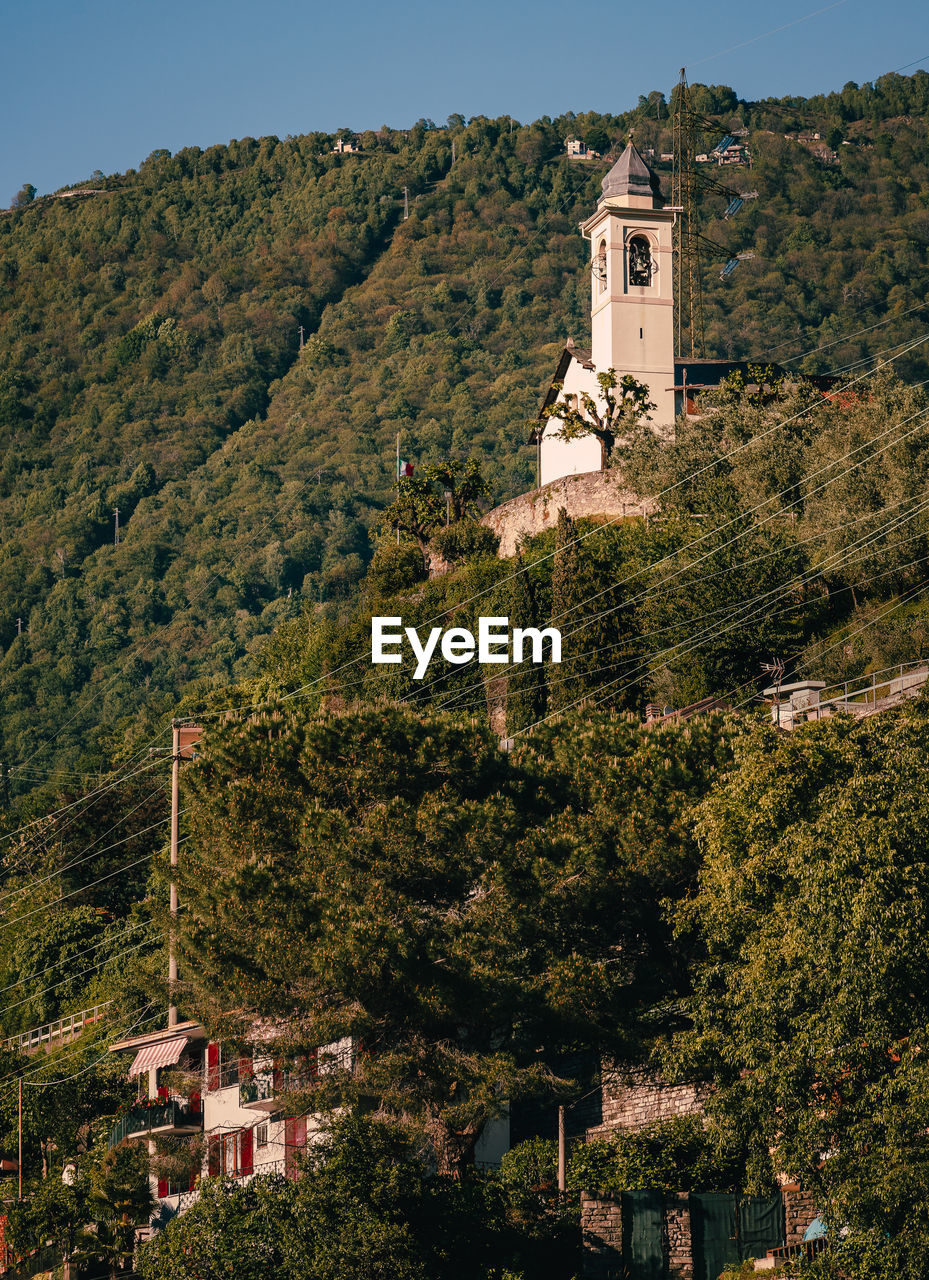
point(191, 1086)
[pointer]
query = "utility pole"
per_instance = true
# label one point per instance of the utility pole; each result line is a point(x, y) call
point(4, 785)
point(184, 741)
point(406, 203)
point(19, 626)
point(116, 527)
point(561, 1150)
point(453, 150)
point(19, 1162)
point(301, 337)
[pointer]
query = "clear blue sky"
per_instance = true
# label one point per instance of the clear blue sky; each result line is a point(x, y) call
point(99, 84)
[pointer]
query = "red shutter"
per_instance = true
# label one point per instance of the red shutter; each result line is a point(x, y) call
point(162, 1188)
point(246, 1152)
point(290, 1142)
point(212, 1065)
point(213, 1165)
point(192, 1182)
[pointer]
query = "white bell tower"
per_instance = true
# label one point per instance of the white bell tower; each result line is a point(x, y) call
point(632, 300)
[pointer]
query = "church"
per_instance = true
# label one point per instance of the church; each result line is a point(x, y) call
point(632, 320)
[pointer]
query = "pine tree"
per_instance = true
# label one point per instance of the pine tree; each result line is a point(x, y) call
point(525, 683)
point(565, 684)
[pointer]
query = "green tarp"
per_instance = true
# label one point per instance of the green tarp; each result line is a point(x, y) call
point(728, 1229)
point(643, 1253)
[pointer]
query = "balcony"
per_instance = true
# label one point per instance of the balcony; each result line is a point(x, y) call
point(261, 1091)
point(157, 1117)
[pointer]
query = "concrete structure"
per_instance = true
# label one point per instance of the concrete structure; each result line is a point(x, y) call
point(801, 701)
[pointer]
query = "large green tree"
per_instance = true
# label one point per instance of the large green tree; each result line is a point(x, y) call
point(366, 1206)
point(458, 911)
point(811, 1008)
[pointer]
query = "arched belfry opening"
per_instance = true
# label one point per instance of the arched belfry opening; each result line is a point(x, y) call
point(640, 264)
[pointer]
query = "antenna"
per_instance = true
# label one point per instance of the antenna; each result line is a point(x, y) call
point(116, 527)
point(687, 279)
point(406, 203)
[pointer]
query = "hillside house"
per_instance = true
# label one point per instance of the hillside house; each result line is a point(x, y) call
point(579, 150)
point(344, 146)
point(192, 1086)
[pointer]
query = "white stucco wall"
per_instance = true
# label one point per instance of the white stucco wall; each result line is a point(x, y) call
point(570, 457)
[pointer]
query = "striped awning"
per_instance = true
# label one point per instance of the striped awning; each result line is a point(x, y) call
point(157, 1055)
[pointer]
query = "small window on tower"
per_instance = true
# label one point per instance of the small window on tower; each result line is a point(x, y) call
point(640, 261)
point(600, 267)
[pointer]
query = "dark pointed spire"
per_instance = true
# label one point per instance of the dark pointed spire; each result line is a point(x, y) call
point(631, 176)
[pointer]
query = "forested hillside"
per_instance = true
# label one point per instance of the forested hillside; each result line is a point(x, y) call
point(151, 362)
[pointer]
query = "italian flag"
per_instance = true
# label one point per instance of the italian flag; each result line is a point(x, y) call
point(404, 468)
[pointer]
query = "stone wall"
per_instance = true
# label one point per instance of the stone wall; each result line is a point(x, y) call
point(634, 1099)
point(595, 493)
point(678, 1240)
point(799, 1211)
point(602, 1234)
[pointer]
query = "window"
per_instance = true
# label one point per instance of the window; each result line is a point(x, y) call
point(261, 1136)
point(235, 1153)
point(224, 1068)
point(600, 267)
point(640, 261)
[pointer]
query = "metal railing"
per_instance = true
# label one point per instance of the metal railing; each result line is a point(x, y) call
point(263, 1086)
point(889, 682)
point(267, 1086)
point(52, 1032)
point(153, 1117)
point(186, 1198)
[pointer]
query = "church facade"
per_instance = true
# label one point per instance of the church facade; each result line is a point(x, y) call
point(631, 318)
point(632, 313)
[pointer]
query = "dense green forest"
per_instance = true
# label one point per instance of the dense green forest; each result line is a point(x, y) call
point(151, 357)
point(224, 346)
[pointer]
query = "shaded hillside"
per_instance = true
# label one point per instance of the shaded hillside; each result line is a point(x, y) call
point(150, 356)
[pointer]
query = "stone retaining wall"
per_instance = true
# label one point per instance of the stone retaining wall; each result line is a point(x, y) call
point(632, 1100)
point(595, 493)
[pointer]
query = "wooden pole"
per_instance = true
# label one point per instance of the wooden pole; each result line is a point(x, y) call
point(561, 1150)
point(20, 1156)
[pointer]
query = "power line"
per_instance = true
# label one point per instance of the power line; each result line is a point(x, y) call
point(694, 542)
point(76, 955)
point(765, 34)
point(82, 889)
point(68, 866)
point(642, 663)
point(92, 969)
